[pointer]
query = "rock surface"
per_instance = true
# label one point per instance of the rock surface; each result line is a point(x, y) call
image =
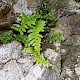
point(21, 6)
point(68, 15)
point(15, 65)
point(7, 16)
point(10, 10)
point(70, 27)
point(9, 51)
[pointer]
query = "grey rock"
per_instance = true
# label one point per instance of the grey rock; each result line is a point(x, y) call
point(16, 69)
point(77, 69)
point(74, 6)
point(52, 55)
point(10, 71)
point(10, 51)
point(21, 6)
point(10, 10)
point(70, 27)
point(37, 72)
point(55, 58)
point(22, 68)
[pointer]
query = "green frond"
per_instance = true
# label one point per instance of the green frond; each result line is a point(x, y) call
point(33, 26)
point(26, 22)
point(35, 36)
point(6, 37)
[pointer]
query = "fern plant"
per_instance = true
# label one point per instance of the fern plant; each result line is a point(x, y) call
point(33, 25)
point(32, 29)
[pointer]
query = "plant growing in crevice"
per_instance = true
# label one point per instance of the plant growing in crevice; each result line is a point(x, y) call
point(32, 29)
point(33, 25)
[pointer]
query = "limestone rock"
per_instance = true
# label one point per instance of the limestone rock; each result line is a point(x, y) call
point(22, 68)
point(55, 58)
point(77, 69)
point(10, 51)
point(21, 6)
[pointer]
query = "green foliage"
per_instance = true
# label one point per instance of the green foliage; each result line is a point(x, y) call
point(34, 36)
point(6, 37)
point(21, 38)
point(46, 12)
point(30, 32)
point(32, 41)
point(39, 59)
point(55, 37)
point(34, 27)
point(26, 21)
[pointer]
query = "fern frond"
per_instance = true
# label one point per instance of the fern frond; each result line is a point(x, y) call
point(6, 37)
point(26, 22)
point(39, 59)
point(34, 36)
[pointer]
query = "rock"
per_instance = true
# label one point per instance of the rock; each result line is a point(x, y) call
point(14, 64)
point(10, 51)
point(52, 55)
point(13, 70)
point(10, 71)
point(10, 11)
point(33, 3)
point(21, 6)
point(77, 69)
point(69, 72)
point(5, 6)
point(7, 16)
point(69, 59)
point(25, 63)
point(70, 27)
point(22, 68)
point(6, 21)
point(74, 6)
point(63, 26)
point(37, 72)
point(55, 59)
point(68, 23)
point(77, 66)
